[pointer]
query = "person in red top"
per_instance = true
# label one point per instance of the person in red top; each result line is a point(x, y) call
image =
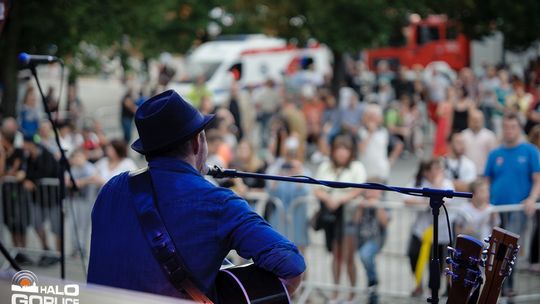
point(444, 123)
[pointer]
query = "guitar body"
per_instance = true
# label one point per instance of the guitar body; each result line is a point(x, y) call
point(464, 272)
point(249, 284)
point(501, 254)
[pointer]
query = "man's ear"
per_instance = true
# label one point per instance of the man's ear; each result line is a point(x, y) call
point(195, 144)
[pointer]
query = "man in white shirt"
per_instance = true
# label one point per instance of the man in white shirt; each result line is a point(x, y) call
point(459, 168)
point(479, 141)
point(374, 139)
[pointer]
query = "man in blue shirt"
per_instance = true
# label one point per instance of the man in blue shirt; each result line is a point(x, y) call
point(513, 171)
point(205, 222)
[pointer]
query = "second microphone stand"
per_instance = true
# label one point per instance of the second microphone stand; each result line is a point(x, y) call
point(64, 168)
point(436, 201)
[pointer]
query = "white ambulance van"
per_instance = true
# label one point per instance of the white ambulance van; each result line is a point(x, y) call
point(255, 58)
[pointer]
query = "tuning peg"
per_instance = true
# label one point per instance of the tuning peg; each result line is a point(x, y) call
point(473, 273)
point(452, 275)
point(474, 261)
point(453, 252)
point(488, 239)
point(470, 283)
point(505, 273)
point(451, 262)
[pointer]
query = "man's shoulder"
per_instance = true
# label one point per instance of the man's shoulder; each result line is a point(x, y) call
point(529, 147)
point(116, 183)
point(498, 150)
point(215, 193)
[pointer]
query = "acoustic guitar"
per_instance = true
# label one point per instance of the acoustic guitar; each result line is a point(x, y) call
point(500, 258)
point(249, 284)
point(464, 269)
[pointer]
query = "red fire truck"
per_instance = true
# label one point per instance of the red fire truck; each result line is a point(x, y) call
point(422, 41)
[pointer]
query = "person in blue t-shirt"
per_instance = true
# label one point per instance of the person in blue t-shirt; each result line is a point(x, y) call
point(204, 222)
point(513, 172)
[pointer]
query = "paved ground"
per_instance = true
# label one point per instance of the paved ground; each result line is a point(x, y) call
point(101, 99)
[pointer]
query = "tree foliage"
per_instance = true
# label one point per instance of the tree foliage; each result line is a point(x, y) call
point(58, 26)
point(516, 20)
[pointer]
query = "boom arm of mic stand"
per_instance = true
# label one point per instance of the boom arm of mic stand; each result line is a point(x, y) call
point(218, 172)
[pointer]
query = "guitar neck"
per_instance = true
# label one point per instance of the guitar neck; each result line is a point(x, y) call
point(502, 251)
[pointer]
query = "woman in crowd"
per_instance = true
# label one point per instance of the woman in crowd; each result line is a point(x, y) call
point(519, 100)
point(430, 175)
point(372, 221)
point(462, 105)
point(341, 232)
point(128, 108)
point(115, 161)
point(29, 115)
point(444, 123)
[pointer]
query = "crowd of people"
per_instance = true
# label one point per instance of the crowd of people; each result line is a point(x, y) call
point(297, 126)
point(29, 154)
point(469, 133)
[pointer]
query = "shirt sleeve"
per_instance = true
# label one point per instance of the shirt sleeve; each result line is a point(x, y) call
point(535, 160)
point(360, 175)
point(488, 171)
point(469, 171)
point(253, 238)
point(322, 174)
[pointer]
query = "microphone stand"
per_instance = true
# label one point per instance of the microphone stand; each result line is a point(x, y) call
point(64, 167)
point(436, 200)
point(8, 257)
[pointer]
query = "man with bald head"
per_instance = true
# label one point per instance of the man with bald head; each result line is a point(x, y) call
point(479, 141)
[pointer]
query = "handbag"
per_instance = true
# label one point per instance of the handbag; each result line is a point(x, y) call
point(323, 218)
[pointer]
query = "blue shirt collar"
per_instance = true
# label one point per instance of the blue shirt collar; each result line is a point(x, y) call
point(172, 164)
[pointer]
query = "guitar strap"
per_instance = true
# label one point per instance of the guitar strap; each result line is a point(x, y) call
point(155, 232)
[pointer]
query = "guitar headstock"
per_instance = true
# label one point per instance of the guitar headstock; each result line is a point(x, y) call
point(499, 259)
point(464, 268)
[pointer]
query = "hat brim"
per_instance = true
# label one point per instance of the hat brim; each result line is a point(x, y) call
point(138, 147)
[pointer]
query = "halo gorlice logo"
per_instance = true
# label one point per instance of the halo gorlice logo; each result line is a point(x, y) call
point(26, 290)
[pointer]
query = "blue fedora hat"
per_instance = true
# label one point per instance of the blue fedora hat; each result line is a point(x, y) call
point(166, 119)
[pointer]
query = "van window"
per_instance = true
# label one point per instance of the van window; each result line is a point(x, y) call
point(194, 69)
point(236, 70)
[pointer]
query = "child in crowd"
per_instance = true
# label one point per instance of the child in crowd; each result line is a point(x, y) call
point(477, 217)
point(29, 116)
point(88, 180)
point(372, 222)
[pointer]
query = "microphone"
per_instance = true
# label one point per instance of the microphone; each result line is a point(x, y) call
point(219, 172)
point(33, 60)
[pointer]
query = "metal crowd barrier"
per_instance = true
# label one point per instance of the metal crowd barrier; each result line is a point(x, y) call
point(34, 217)
point(23, 211)
point(396, 279)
